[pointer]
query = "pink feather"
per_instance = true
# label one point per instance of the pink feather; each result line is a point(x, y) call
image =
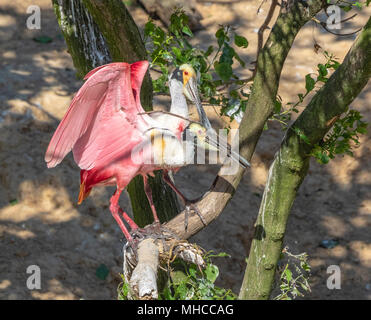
point(101, 124)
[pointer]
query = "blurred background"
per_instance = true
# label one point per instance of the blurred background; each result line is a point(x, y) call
point(79, 248)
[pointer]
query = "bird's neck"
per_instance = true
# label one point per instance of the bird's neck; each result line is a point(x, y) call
point(178, 103)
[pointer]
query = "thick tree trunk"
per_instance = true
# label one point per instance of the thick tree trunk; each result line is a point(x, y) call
point(99, 32)
point(291, 163)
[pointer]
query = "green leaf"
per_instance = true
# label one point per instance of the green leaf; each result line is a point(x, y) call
point(220, 35)
point(277, 107)
point(13, 202)
point(288, 275)
point(322, 70)
point(167, 56)
point(358, 5)
point(193, 271)
point(181, 291)
point(211, 272)
point(102, 272)
point(177, 52)
point(124, 289)
point(346, 8)
point(43, 39)
point(224, 71)
point(187, 31)
point(149, 28)
point(309, 83)
point(167, 294)
point(220, 254)
point(324, 158)
point(227, 54)
point(302, 136)
point(240, 41)
point(209, 51)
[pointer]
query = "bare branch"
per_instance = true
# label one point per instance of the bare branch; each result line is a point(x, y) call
point(324, 26)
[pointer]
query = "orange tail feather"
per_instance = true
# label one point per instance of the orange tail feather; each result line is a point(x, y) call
point(84, 192)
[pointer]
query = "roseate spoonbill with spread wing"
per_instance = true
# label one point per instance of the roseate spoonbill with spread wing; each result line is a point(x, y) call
point(102, 127)
point(110, 134)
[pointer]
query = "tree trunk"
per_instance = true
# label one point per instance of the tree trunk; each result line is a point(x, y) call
point(99, 32)
point(291, 164)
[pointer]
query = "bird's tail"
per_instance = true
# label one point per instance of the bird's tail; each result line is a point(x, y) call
point(84, 189)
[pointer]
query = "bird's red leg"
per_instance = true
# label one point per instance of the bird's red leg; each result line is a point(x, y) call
point(115, 210)
point(148, 191)
point(130, 221)
point(189, 204)
point(167, 179)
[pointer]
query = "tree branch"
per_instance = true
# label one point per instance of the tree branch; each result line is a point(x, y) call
point(259, 108)
point(156, 248)
point(291, 164)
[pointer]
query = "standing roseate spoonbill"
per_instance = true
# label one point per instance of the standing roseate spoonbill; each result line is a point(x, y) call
point(108, 131)
point(106, 121)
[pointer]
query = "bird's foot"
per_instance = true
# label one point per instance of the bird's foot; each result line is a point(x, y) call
point(190, 205)
point(155, 231)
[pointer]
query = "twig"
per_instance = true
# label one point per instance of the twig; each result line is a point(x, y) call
point(324, 26)
point(260, 6)
point(341, 34)
point(158, 71)
point(225, 85)
point(347, 19)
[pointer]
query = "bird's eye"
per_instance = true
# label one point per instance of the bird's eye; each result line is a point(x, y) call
point(186, 73)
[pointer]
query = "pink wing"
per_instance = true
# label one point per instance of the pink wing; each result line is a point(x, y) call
point(101, 123)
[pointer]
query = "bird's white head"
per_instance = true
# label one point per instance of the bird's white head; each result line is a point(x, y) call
point(186, 76)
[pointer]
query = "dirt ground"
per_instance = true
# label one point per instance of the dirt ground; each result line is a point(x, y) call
point(40, 223)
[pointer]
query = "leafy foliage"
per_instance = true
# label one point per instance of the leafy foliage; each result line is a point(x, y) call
point(347, 6)
point(345, 133)
point(284, 114)
point(342, 138)
point(294, 278)
point(189, 282)
point(123, 289)
point(214, 66)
